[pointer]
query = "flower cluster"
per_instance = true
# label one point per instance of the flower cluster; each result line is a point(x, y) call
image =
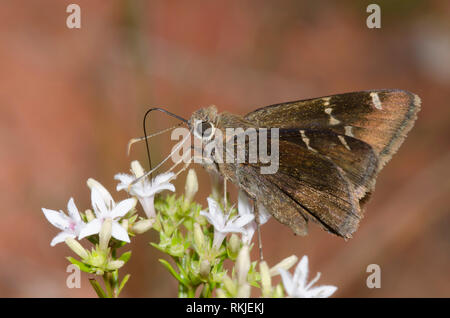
point(109, 226)
point(199, 241)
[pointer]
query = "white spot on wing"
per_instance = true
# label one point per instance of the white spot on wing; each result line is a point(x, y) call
point(306, 141)
point(348, 131)
point(333, 121)
point(326, 101)
point(376, 100)
point(344, 142)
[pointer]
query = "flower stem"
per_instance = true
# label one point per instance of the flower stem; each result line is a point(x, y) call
point(111, 284)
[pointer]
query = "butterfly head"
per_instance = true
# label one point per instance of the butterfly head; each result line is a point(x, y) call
point(203, 123)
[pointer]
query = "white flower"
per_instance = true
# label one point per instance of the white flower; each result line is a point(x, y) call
point(222, 223)
point(297, 287)
point(245, 207)
point(145, 189)
point(70, 225)
point(104, 208)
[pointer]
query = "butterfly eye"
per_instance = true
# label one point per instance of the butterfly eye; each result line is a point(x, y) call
point(204, 130)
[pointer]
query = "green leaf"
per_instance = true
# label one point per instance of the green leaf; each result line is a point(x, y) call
point(132, 219)
point(98, 289)
point(157, 246)
point(82, 266)
point(122, 284)
point(125, 256)
point(173, 272)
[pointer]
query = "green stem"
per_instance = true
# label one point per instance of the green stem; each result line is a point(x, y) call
point(98, 289)
point(186, 291)
point(111, 284)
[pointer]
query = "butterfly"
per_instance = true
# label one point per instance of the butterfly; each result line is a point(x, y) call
point(331, 150)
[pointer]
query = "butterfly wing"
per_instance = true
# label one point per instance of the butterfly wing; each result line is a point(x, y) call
point(380, 118)
point(330, 150)
point(307, 186)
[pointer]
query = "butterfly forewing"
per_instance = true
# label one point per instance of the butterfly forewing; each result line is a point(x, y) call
point(380, 118)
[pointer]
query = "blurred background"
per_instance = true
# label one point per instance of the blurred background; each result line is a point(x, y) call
point(70, 99)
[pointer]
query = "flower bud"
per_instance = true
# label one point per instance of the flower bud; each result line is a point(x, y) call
point(229, 285)
point(278, 292)
point(77, 247)
point(116, 264)
point(137, 169)
point(199, 237)
point(191, 187)
point(205, 268)
point(220, 293)
point(266, 281)
point(243, 264)
point(143, 226)
point(244, 291)
point(234, 244)
point(285, 264)
point(89, 215)
point(105, 234)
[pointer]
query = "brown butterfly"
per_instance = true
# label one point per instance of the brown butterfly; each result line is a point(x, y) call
point(331, 150)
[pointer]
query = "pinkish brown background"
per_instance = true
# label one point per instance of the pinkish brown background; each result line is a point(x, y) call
point(71, 99)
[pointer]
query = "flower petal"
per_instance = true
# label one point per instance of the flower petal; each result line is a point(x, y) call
point(61, 237)
point(107, 198)
point(162, 178)
point(91, 228)
point(148, 204)
point(217, 223)
point(73, 211)
point(98, 204)
point(301, 272)
point(287, 281)
point(122, 208)
point(57, 219)
point(264, 216)
point(218, 239)
point(125, 180)
point(244, 204)
point(247, 235)
point(162, 187)
point(214, 206)
point(243, 220)
point(323, 291)
point(119, 233)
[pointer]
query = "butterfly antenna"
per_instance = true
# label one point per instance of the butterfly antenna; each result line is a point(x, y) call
point(145, 130)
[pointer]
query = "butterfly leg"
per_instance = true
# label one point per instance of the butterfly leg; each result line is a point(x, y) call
point(258, 229)
point(225, 193)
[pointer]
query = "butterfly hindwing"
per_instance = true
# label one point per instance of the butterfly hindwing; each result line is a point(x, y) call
point(307, 186)
point(356, 158)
